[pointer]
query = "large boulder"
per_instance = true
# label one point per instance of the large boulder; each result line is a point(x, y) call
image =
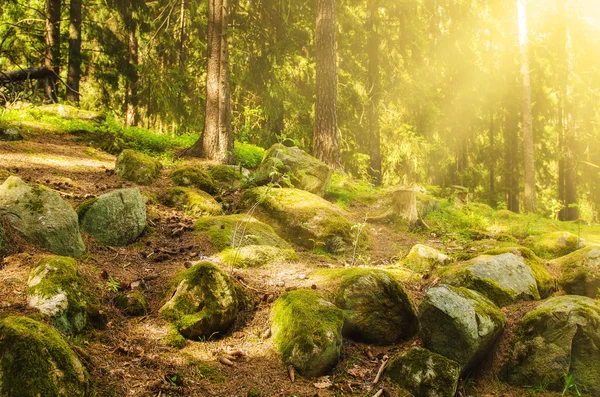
point(41, 216)
point(203, 302)
point(193, 201)
point(244, 241)
point(304, 171)
point(377, 309)
point(580, 272)
point(115, 218)
point(227, 176)
point(194, 177)
point(137, 167)
point(55, 288)
point(423, 259)
point(35, 361)
point(307, 330)
point(308, 220)
point(424, 374)
point(459, 324)
point(560, 339)
point(504, 279)
point(555, 244)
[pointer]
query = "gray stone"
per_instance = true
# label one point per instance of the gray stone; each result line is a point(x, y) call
point(423, 259)
point(137, 167)
point(459, 324)
point(115, 218)
point(580, 272)
point(41, 216)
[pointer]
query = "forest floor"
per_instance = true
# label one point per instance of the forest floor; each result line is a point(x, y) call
point(130, 357)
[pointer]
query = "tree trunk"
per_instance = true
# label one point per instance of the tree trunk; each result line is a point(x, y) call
point(403, 207)
point(528, 152)
point(216, 142)
point(492, 159)
point(131, 118)
point(24, 74)
point(74, 74)
point(572, 212)
point(511, 150)
point(374, 87)
point(52, 57)
point(325, 140)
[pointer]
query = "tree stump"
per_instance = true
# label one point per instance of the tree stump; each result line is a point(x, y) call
point(403, 207)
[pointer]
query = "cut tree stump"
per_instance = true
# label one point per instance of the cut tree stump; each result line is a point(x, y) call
point(403, 207)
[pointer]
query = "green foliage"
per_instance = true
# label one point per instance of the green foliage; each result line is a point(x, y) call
point(248, 155)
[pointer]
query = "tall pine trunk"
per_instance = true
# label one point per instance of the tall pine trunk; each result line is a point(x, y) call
point(325, 140)
point(216, 142)
point(527, 120)
point(74, 74)
point(131, 117)
point(374, 92)
point(511, 150)
point(52, 56)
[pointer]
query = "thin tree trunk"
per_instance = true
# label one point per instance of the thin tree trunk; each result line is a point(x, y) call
point(74, 74)
point(374, 92)
point(511, 150)
point(325, 140)
point(572, 212)
point(528, 150)
point(132, 89)
point(52, 57)
point(492, 159)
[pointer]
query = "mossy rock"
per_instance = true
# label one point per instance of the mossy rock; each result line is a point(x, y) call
point(256, 255)
point(193, 201)
point(41, 216)
point(504, 279)
point(424, 259)
point(71, 112)
point(424, 373)
point(115, 218)
point(307, 330)
point(245, 230)
point(377, 308)
point(545, 282)
point(194, 177)
point(203, 302)
point(10, 134)
point(137, 167)
point(57, 290)
point(554, 245)
point(580, 272)
point(132, 303)
point(308, 220)
point(227, 176)
point(558, 340)
point(303, 171)
point(35, 361)
point(459, 324)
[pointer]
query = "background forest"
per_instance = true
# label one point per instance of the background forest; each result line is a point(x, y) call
point(439, 81)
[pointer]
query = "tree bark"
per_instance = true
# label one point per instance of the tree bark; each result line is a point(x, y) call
point(25, 74)
point(403, 207)
point(325, 140)
point(528, 149)
point(131, 118)
point(374, 87)
point(511, 150)
point(74, 74)
point(52, 56)
point(216, 142)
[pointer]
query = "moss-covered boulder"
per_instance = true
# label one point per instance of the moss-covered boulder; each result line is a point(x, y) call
point(132, 303)
point(35, 361)
point(580, 272)
point(227, 176)
point(115, 218)
point(244, 241)
point(194, 177)
point(41, 216)
point(137, 167)
point(504, 279)
point(558, 340)
point(307, 219)
point(57, 290)
point(307, 330)
point(377, 308)
point(304, 171)
point(459, 324)
point(424, 259)
point(424, 374)
point(203, 302)
point(194, 201)
point(545, 282)
point(555, 244)
point(10, 134)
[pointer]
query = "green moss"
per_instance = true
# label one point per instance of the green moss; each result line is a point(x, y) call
point(460, 276)
point(246, 229)
point(84, 207)
point(248, 155)
point(56, 276)
point(193, 201)
point(174, 339)
point(307, 331)
point(137, 167)
point(226, 175)
point(194, 177)
point(133, 303)
point(35, 361)
point(553, 245)
point(256, 255)
point(580, 272)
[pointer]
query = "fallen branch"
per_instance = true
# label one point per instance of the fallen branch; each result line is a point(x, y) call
point(381, 368)
point(379, 393)
point(25, 74)
point(291, 373)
